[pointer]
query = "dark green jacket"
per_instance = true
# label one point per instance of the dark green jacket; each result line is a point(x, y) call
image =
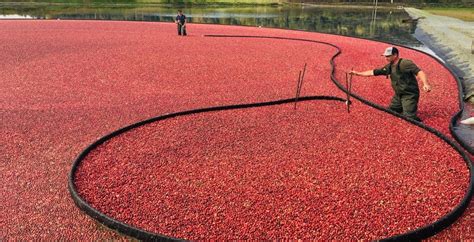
point(402, 75)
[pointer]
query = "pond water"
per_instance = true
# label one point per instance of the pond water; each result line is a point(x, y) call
point(385, 24)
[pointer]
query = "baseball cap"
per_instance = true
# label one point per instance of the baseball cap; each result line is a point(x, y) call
point(390, 51)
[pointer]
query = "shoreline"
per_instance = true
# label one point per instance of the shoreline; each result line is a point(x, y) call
point(451, 39)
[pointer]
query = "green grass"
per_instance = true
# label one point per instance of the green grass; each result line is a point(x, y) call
point(466, 14)
point(212, 1)
point(254, 2)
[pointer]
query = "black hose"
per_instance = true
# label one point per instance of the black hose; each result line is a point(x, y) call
point(417, 234)
point(137, 232)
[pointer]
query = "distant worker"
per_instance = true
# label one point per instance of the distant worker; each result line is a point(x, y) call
point(404, 75)
point(181, 22)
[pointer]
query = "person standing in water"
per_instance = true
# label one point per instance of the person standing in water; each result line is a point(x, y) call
point(404, 75)
point(181, 22)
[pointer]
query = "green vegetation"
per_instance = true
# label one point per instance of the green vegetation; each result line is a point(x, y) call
point(466, 14)
point(381, 3)
point(212, 1)
point(174, 2)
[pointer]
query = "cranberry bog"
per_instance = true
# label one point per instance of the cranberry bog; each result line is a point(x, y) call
point(201, 138)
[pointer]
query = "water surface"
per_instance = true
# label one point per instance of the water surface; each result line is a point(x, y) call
point(386, 24)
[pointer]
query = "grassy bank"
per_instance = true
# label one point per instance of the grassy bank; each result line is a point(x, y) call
point(88, 2)
point(466, 14)
point(212, 1)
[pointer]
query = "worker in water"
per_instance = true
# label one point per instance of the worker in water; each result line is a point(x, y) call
point(181, 22)
point(404, 75)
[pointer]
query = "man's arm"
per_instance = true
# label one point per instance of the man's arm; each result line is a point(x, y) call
point(409, 66)
point(375, 72)
point(363, 73)
point(421, 76)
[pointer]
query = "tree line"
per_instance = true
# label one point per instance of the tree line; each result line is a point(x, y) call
point(446, 2)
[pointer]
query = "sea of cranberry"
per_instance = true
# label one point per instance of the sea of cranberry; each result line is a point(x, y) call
point(269, 172)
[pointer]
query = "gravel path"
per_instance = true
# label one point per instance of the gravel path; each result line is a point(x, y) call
point(452, 39)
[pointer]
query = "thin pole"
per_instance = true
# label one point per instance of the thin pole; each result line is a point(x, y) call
point(347, 93)
point(300, 83)
point(350, 81)
point(375, 15)
point(302, 78)
point(348, 90)
point(297, 89)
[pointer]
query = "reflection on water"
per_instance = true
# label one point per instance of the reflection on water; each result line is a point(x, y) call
point(385, 25)
point(15, 16)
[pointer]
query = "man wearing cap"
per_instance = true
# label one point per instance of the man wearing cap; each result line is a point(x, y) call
point(404, 75)
point(181, 22)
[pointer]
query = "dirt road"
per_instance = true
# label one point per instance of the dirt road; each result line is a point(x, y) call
point(452, 39)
